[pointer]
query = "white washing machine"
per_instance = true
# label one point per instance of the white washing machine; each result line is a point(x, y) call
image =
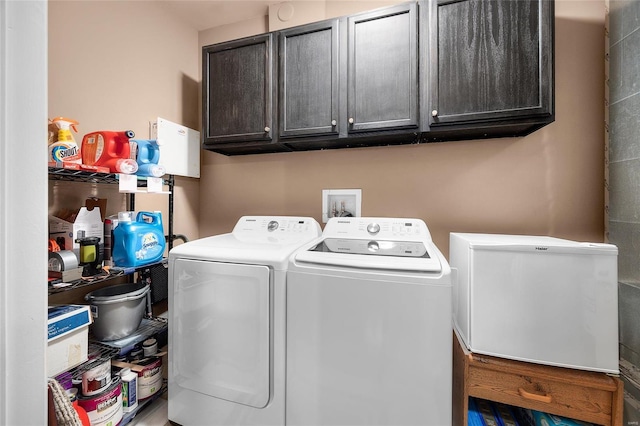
point(227, 323)
point(369, 332)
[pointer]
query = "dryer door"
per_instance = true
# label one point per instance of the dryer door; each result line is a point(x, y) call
point(220, 330)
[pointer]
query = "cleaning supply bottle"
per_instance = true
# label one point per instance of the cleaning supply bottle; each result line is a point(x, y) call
point(138, 242)
point(65, 149)
point(109, 149)
point(129, 390)
point(147, 157)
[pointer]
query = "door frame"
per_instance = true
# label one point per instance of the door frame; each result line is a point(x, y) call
point(23, 212)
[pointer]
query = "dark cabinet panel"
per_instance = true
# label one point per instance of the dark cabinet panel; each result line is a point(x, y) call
point(490, 60)
point(237, 90)
point(414, 72)
point(383, 69)
point(308, 84)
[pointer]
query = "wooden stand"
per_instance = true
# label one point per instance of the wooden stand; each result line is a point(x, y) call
point(581, 395)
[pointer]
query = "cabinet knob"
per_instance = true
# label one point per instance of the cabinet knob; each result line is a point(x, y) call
point(334, 122)
point(434, 113)
point(267, 129)
point(351, 120)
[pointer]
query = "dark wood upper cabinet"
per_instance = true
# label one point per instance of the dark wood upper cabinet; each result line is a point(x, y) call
point(237, 99)
point(428, 70)
point(490, 62)
point(382, 69)
point(308, 83)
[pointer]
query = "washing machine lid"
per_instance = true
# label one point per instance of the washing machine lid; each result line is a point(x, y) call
point(263, 240)
point(394, 255)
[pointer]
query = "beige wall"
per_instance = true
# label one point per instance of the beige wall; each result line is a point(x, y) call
point(116, 65)
point(550, 182)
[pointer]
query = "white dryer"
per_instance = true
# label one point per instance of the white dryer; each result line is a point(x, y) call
point(369, 333)
point(227, 322)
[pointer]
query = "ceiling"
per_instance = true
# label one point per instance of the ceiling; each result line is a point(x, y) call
point(205, 14)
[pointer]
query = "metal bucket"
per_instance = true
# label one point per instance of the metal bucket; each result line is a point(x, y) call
point(117, 310)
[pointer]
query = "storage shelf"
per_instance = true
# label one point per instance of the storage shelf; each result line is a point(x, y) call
point(106, 275)
point(149, 327)
point(59, 173)
point(97, 350)
point(69, 175)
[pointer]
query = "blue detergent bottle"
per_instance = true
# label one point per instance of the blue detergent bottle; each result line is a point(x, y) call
point(138, 242)
point(147, 157)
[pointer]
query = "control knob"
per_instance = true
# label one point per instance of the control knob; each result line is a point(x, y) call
point(272, 226)
point(373, 228)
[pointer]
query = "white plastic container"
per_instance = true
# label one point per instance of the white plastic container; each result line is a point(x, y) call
point(129, 390)
point(537, 299)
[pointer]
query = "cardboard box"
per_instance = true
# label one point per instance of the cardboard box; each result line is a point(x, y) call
point(68, 337)
point(93, 202)
point(65, 233)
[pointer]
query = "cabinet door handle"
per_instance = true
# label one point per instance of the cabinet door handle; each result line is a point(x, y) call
point(334, 122)
point(267, 129)
point(351, 120)
point(434, 113)
point(535, 396)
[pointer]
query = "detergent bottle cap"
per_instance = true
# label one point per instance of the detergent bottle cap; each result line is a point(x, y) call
point(157, 170)
point(126, 166)
point(125, 216)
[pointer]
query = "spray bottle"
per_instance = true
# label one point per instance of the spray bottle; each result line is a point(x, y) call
point(65, 150)
point(147, 157)
point(109, 149)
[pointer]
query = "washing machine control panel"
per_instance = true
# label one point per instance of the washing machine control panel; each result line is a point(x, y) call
point(279, 227)
point(380, 228)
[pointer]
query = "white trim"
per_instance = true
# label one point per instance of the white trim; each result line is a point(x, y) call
point(23, 212)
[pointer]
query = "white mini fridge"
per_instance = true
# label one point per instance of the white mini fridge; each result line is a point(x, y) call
point(537, 299)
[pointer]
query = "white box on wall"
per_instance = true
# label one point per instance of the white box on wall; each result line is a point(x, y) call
point(341, 202)
point(179, 147)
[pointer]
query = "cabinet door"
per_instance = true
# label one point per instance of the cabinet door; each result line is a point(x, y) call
point(237, 90)
point(308, 88)
point(382, 69)
point(490, 60)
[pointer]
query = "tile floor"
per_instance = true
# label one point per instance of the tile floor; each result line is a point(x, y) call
point(153, 415)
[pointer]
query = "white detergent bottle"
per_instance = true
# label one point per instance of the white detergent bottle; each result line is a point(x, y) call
point(129, 390)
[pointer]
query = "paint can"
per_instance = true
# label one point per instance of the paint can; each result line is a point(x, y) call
point(105, 408)
point(96, 377)
point(149, 377)
point(150, 347)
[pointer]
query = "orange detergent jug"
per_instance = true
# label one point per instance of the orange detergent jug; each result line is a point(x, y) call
point(109, 149)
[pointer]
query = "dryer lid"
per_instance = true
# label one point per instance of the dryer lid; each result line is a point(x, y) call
point(264, 240)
